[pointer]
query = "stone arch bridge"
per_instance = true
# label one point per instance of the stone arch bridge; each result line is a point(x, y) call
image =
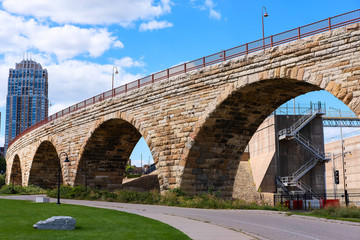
point(196, 124)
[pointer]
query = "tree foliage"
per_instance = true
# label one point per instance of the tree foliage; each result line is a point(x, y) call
point(2, 164)
point(129, 169)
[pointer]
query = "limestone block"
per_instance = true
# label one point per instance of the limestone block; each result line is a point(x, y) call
point(57, 223)
point(42, 199)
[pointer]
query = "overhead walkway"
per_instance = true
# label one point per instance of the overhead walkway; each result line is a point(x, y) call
point(341, 119)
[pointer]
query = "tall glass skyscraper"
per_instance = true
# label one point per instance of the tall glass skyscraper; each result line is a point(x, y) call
point(27, 98)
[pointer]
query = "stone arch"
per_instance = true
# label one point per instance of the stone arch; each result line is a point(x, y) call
point(105, 154)
point(219, 143)
point(16, 173)
point(45, 166)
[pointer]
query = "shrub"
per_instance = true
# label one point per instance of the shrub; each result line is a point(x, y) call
point(338, 212)
point(2, 164)
point(68, 192)
point(174, 197)
point(179, 192)
point(7, 189)
point(133, 175)
point(18, 189)
point(2, 180)
point(129, 168)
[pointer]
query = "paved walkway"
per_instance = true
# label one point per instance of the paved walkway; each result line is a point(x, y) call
point(195, 229)
point(234, 224)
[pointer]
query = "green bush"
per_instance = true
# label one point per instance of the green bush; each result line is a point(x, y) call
point(7, 189)
point(133, 175)
point(18, 189)
point(68, 192)
point(338, 212)
point(129, 169)
point(2, 164)
point(174, 197)
point(2, 180)
point(179, 192)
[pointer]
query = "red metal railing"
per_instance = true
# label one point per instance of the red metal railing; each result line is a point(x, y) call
point(261, 44)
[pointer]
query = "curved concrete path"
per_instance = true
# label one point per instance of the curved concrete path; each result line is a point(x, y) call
point(195, 229)
point(232, 224)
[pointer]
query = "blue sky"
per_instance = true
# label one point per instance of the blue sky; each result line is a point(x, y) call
point(80, 41)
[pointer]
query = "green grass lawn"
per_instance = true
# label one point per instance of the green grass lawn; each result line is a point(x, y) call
point(351, 214)
point(17, 218)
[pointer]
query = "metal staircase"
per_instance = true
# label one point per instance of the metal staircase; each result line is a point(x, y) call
point(293, 181)
point(309, 115)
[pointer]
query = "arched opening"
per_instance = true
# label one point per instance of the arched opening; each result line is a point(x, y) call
point(330, 128)
point(45, 166)
point(15, 177)
point(104, 158)
point(214, 158)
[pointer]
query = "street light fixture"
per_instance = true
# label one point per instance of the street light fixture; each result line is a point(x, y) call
point(59, 173)
point(114, 71)
point(342, 157)
point(262, 17)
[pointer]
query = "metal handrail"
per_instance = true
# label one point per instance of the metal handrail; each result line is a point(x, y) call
point(342, 115)
point(293, 129)
point(310, 145)
point(304, 168)
point(258, 45)
point(301, 120)
point(300, 184)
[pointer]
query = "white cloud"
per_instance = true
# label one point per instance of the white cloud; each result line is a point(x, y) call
point(333, 133)
point(79, 80)
point(127, 62)
point(20, 35)
point(166, 4)
point(72, 81)
point(11, 39)
point(153, 25)
point(208, 5)
point(214, 14)
point(65, 42)
point(122, 12)
point(118, 44)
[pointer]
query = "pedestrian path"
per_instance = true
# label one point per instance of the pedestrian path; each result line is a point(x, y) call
point(195, 229)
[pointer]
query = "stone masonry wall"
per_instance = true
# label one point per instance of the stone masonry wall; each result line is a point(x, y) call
point(198, 124)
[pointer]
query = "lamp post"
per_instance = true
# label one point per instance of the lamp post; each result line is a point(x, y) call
point(59, 173)
point(262, 18)
point(114, 71)
point(342, 157)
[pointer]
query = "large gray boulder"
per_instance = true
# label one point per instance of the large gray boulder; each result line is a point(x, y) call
point(57, 223)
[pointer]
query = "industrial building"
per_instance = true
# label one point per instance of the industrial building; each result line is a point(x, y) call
point(287, 153)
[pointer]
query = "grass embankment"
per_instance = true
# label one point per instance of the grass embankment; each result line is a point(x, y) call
point(174, 197)
point(17, 218)
point(337, 213)
point(18, 189)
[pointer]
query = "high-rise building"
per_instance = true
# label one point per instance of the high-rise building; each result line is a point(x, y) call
point(27, 98)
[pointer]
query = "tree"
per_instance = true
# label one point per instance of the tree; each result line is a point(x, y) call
point(129, 169)
point(2, 164)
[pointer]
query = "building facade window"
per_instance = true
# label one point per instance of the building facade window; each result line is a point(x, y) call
point(27, 98)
